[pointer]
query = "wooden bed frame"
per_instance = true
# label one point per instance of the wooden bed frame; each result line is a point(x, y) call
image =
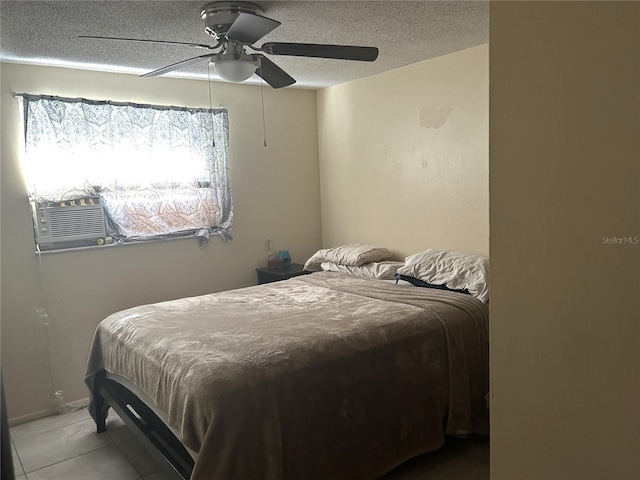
point(150, 430)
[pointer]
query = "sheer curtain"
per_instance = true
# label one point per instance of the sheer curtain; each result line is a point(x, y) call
point(160, 171)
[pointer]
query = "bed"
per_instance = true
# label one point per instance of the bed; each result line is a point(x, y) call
point(323, 376)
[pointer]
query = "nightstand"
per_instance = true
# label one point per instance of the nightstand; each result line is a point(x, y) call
point(275, 275)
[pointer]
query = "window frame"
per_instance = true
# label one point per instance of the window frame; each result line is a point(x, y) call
point(218, 159)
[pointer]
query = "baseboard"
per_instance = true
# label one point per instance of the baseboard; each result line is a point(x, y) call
point(68, 407)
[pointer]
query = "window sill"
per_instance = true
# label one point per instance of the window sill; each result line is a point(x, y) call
point(112, 245)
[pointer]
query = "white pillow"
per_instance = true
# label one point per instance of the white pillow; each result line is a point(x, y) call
point(379, 270)
point(353, 254)
point(455, 270)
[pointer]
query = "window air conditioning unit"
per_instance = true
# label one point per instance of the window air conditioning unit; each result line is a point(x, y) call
point(68, 221)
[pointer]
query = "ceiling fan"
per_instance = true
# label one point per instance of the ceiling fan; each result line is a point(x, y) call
point(236, 26)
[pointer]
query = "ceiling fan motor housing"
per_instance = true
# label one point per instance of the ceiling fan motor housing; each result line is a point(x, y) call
point(219, 16)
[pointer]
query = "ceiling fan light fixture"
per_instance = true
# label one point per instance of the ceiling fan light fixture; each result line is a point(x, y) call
point(235, 70)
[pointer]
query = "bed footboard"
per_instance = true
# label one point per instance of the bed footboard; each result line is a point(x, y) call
point(143, 422)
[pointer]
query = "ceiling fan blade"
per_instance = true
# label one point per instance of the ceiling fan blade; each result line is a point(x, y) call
point(175, 66)
point(198, 45)
point(249, 28)
point(341, 52)
point(273, 74)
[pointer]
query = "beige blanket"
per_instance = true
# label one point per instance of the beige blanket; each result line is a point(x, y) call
point(324, 376)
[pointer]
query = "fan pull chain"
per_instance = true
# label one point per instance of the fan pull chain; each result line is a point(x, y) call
point(264, 128)
point(213, 140)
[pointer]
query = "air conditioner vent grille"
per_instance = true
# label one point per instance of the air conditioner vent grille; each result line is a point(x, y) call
point(81, 221)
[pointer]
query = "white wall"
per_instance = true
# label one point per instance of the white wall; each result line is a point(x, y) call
point(565, 305)
point(275, 192)
point(404, 156)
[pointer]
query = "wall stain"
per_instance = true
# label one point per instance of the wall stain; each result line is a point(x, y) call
point(432, 116)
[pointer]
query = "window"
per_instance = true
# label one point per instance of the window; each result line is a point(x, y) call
point(157, 171)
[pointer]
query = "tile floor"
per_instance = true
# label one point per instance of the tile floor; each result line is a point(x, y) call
point(66, 447)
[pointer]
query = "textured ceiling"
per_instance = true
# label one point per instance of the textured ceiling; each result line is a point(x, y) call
point(406, 32)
